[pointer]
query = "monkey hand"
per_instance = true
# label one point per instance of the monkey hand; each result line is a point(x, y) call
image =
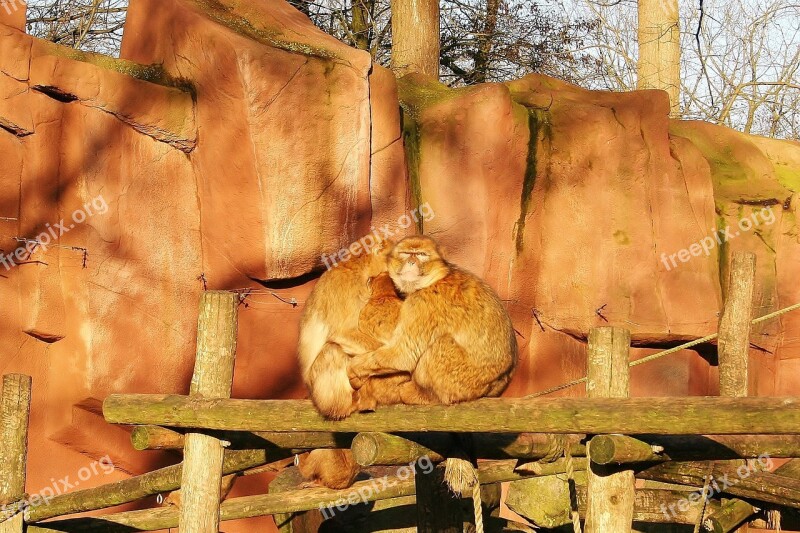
point(357, 372)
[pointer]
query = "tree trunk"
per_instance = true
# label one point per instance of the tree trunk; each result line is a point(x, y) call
point(485, 42)
point(659, 64)
point(415, 37)
point(362, 23)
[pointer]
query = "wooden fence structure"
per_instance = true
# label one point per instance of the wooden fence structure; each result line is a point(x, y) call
point(603, 463)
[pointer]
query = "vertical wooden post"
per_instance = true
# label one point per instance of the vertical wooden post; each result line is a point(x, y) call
point(733, 349)
point(212, 378)
point(733, 345)
point(415, 37)
point(610, 491)
point(14, 415)
point(438, 510)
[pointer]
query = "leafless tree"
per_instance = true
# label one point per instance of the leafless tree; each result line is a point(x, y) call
point(93, 25)
point(740, 60)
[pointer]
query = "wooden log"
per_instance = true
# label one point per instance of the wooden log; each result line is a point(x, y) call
point(160, 438)
point(386, 449)
point(546, 500)
point(438, 509)
point(789, 468)
point(696, 447)
point(268, 504)
point(620, 449)
point(659, 416)
point(731, 477)
point(611, 493)
point(137, 487)
point(371, 448)
point(729, 516)
point(14, 414)
point(733, 349)
point(212, 378)
point(556, 467)
point(733, 345)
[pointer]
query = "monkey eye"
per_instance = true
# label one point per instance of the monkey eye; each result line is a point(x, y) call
point(423, 255)
point(404, 255)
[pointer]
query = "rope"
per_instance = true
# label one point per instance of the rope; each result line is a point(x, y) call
point(573, 492)
point(702, 513)
point(670, 351)
point(477, 504)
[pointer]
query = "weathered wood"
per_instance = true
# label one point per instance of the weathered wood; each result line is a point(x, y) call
point(137, 487)
point(212, 378)
point(556, 467)
point(698, 447)
point(415, 37)
point(268, 504)
point(545, 501)
point(733, 350)
point(438, 510)
point(789, 468)
point(160, 438)
point(386, 449)
point(619, 449)
point(745, 483)
point(611, 493)
point(301, 522)
point(659, 416)
point(14, 415)
point(729, 516)
point(733, 345)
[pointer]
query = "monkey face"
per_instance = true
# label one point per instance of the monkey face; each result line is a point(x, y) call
point(416, 263)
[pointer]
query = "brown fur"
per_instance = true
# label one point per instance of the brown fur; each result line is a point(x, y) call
point(335, 469)
point(453, 336)
point(329, 332)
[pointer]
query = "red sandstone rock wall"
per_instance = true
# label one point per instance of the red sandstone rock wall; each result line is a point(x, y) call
point(260, 143)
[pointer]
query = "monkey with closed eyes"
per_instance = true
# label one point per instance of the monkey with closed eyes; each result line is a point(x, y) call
point(453, 336)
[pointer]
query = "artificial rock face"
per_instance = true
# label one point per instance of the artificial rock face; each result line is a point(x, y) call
point(234, 144)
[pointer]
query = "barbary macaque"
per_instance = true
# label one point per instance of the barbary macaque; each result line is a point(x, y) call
point(329, 332)
point(454, 337)
point(336, 469)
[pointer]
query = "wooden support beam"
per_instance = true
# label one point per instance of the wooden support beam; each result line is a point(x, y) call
point(160, 438)
point(212, 378)
point(733, 345)
point(611, 492)
point(659, 416)
point(267, 504)
point(730, 477)
point(373, 448)
point(137, 487)
point(438, 509)
point(15, 406)
point(732, 514)
point(733, 349)
point(620, 449)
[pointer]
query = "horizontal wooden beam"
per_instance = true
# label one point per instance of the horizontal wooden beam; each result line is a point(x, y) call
point(730, 477)
point(620, 449)
point(134, 488)
point(160, 438)
point(267, 504)
point(679, 416)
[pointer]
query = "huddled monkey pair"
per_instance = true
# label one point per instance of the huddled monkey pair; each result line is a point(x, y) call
point(399, 324)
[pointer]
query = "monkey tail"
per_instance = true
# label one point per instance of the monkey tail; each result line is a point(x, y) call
point(329, 384)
